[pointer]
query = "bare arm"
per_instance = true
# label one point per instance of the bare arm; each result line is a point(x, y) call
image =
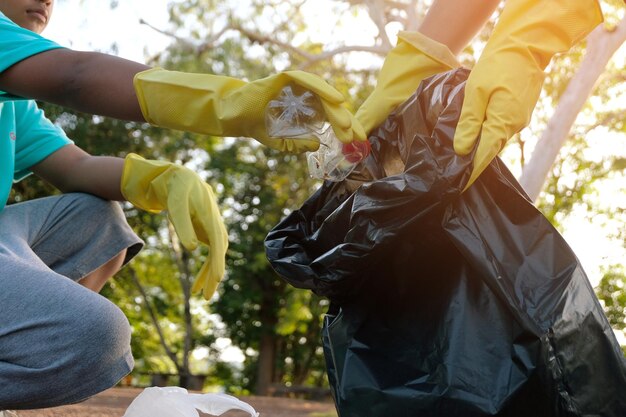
point(455, 22)
point(90, 82)
point(71, 169)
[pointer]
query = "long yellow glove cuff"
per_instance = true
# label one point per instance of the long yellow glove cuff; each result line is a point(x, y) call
point(414, 58)
point(192, 208)
point(225, 106)
point(504, 86)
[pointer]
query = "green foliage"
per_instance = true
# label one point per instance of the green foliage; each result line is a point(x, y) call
point(611, 292)
point(257, 187)
point(572, 179)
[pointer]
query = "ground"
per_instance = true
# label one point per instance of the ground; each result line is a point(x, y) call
point(113, 403)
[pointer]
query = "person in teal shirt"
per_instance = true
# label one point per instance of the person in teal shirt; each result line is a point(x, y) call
point(28, 137)
point(39, 270)
point(60, 341)
point(38, 136)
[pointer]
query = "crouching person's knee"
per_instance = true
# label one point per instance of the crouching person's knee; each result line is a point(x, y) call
point(102, 354)
point(87, 354)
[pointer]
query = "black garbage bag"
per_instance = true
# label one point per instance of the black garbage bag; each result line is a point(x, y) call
point(442, 303)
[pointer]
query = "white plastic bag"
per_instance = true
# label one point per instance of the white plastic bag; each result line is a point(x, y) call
point(177, 402)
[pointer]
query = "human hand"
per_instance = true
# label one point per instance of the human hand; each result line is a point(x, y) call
point(225, 106)
point(192, 208)
point(414, 58)
point(346, 127)
point(504, 86)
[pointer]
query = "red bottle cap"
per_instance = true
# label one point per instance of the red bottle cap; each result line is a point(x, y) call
point(356, 151)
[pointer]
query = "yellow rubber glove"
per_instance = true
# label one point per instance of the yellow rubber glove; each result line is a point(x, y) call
point(414, 58)
point(192, 208)
point(504, 86)
point(225, 106)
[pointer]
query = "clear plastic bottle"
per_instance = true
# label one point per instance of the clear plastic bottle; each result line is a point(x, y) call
point(298, 114)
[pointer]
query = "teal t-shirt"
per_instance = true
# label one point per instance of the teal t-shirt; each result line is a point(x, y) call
point(26, 135)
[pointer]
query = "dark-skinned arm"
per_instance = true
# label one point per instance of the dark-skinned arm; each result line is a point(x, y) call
point(89, 82)
point(70, 169)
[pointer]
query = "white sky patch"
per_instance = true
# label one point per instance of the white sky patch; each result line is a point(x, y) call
point(326, 28)
point(92, 25)
point(333, 30)
point(228, 352)
point(591, 244)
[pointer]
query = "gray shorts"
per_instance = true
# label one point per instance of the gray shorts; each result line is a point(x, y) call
point(60, 343)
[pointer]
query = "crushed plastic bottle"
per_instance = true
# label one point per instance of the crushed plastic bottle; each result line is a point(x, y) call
point(298, 114)
point(177, 402)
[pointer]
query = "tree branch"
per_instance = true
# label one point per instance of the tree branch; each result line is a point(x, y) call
point(181, 258)
point(608, 118)
point(378, 50)
point(197, 47)
point(308, 58)
point(184, 41)
point(376, 12)
point(153, 318)
point(261, 39)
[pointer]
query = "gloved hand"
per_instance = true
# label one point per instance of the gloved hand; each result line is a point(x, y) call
point(159, 185)
point(505, 84)
point(225, 106)
point(414, 58)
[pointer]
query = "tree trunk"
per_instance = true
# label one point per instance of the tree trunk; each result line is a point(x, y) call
point(185, 282)
point(182, 259)
point(271, 292)
point(601, 46)
point(267, 355)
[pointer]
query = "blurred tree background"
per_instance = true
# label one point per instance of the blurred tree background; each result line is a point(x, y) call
point(259, 334)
